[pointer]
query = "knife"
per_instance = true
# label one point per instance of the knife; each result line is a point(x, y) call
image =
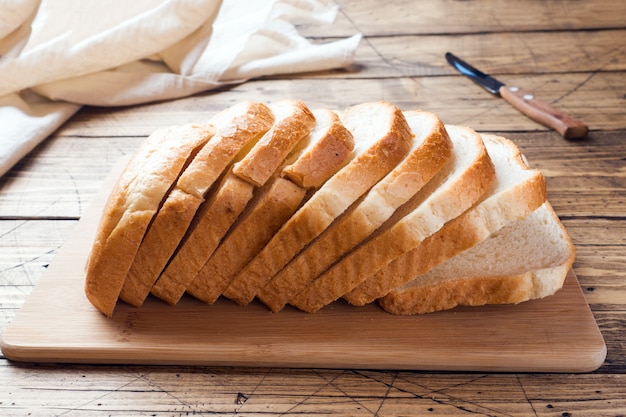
point(566, 125)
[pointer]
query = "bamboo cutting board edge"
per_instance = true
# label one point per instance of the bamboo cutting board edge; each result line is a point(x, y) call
point(58, 324)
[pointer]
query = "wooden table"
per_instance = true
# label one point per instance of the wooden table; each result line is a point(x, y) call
point(572, 53)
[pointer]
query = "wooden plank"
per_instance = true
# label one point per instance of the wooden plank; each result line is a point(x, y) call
point(26, 249)
point(598, 232)
point(69, 329)
point(144, 390)
point(595, 98)
point(506, 53)
point(499, 54)
point(580, 174)
point(601, 266)
point(585, 182)
point(66, 182)
point(603, 293)
point(450, 16)
point(74, 168)
point(572, 202)
point(613, 323)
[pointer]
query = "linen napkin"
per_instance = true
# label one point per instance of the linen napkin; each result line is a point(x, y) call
point(57, 55)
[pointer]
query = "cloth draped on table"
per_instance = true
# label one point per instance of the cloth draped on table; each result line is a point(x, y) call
point(57, 55)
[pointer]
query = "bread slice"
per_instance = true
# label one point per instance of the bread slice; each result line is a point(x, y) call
point(293, 122)
point(478, 291)
point(330, 148)
point(330, 145)
point(527, 259)
point(236, 128)
point(382, 139)
point(516, 191)
point(430, 150)
point(461, 184)
point(260, 164)
point(133, 202)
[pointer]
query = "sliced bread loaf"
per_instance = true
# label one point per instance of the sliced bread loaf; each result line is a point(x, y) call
point(430, 150)
point(527, 259)
point(329, 147)
point(516, 191)
point(293, 121)
point(382, 139)
point(271, 202)
point(236, 128)
point(133, 202)
point(468, 175)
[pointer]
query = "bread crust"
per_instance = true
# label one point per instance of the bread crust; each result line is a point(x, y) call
point(468, 292)
point(465, 189)
point(133, 203)
point(214, 219)
point(440, 289)
point(247, 239)
point(235, 129)
point(263, 160)
point(161, 240)
point(329, 147)
point(316, 165)
point(476, 291)
point(467, 230)
point(390, 146)
point(430, 152)
point(293, 121)
point(244, 207)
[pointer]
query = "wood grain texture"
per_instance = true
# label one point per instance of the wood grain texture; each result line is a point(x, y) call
point(450, 16)
point(569, 52)
point(595, 98)
point(420, 55)
point(147, 390)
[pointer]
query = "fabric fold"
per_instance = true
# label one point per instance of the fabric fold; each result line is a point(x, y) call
point(25, 119)
point(113, 54)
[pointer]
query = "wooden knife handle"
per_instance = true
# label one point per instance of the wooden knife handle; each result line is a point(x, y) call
point(566, 125)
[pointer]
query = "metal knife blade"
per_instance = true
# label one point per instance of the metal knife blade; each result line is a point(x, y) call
point(526, 103)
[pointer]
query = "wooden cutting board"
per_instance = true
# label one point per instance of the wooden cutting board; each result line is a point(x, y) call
point(58, 324)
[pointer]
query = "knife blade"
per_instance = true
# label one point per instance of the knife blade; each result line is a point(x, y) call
point(539, 111)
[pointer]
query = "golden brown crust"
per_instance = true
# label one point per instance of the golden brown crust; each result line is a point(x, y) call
point(314, 168)
point(159, 243)
point(157, 211)
point(103, 281)
point(133, 203)
point(422, 163)
point(247, 239)
point(399, 238)
point(261, 162)
point(461, 233)
point(467, 292)
point(214, 219)
point(365, 170)
point(547, 273)
point(476, 291)
point(292, 122)
point(456, 236)
point(236, 128)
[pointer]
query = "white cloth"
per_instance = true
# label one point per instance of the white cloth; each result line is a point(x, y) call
point(57, 55)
